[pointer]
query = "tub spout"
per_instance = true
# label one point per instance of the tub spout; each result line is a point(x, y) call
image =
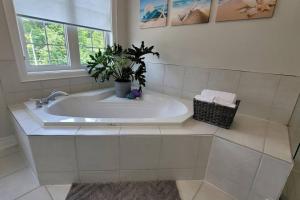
point(55, 94)
point(51, 97)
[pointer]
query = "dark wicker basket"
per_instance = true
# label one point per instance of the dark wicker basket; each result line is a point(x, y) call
point(212, 113)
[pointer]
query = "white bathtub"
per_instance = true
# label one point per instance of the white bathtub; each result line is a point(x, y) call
point(101, 107)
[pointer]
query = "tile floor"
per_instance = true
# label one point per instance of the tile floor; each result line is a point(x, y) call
point(17, 182)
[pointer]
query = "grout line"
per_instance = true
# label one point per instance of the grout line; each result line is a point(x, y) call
point(33, 175)
point(239, 83)
point(220, 190)
point(198, 190)
point(182, 86)
point(160, 153)
point(242, 145)
point(198, 156)
point(49, 192)
point(265, 137)
point(273, 98)
point(208, 77)
point(119, 154)
point(76, 158)
point(209, 157)
point(164, 78)
point(254, 178)
point(222, 68)
point(27, 193)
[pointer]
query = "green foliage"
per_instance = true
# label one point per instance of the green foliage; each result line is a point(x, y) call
point(45, 42)
point(136, 55)
point(123, 65)
point(90, 41)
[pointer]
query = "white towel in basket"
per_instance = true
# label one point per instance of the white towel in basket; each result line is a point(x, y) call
point(222, 102)
point(218, 97)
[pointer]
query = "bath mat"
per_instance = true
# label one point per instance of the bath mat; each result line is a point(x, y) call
point(152, 190)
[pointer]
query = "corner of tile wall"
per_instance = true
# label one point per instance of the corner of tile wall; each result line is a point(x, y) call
point(13, 91)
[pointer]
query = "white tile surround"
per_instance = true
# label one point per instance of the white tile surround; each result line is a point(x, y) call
point(277, 102)
point(267, 96)
point(235, 161)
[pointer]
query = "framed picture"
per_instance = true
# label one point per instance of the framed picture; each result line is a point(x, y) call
point(230, 10)
point(186, 12)
point(153, 13)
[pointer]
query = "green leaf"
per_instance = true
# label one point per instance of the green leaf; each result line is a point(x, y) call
point(115, 62)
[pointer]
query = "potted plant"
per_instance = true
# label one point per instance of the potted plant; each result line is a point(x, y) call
point(124, 66)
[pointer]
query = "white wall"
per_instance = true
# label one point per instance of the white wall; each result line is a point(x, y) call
point(265, 45)
point(13, 91)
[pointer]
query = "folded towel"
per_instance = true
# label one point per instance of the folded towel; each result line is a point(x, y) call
point(222, 102)
point(210, 95)
point(218, 97)
point(204, 98)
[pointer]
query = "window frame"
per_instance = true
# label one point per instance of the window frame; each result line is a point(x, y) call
point(30, 72)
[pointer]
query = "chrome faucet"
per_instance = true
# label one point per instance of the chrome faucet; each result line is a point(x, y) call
point(44, 101)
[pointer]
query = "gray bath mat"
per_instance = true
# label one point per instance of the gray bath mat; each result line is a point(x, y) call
point(154, 190)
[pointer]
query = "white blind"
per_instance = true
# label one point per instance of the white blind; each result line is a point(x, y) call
point(86, 13)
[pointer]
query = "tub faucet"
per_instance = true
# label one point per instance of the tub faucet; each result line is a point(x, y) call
point(54, 94)
point(44, 101)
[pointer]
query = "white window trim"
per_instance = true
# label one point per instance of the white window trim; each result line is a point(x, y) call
point(26, 76)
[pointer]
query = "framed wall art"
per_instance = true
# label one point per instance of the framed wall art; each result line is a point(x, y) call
point(231, 10)
point(187, 12)
point(153, 13)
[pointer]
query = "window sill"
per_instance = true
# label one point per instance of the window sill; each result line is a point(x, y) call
point(48, 75)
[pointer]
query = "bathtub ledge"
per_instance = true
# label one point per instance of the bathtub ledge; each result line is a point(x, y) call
point(257, 134)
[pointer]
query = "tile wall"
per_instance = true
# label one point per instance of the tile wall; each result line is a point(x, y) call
point(65, 159)
point(244, 173)
point(267, 96)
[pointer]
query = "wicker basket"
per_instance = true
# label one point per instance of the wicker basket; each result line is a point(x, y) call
point(212, 113)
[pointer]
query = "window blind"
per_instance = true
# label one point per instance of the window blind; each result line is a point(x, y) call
point(94, 14)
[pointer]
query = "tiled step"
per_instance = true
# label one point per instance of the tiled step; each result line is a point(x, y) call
point(210, 192)
point(58, 192)
point(201, 190)
point(188, 189)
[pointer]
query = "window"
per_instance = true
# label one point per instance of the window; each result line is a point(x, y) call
point(90, 41)
point(45, 42)
point(54, 39)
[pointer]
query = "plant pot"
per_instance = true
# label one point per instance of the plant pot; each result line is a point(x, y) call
point(122, 88)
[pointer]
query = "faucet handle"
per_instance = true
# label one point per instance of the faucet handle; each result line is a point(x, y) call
point(52, 92)
point(38, 102)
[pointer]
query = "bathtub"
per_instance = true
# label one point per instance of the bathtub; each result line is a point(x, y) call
point(102, 107)
point(192, 150)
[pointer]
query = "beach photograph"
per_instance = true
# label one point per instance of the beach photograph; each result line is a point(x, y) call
point(153, 13)
point(187, 12)
point(230, 10)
